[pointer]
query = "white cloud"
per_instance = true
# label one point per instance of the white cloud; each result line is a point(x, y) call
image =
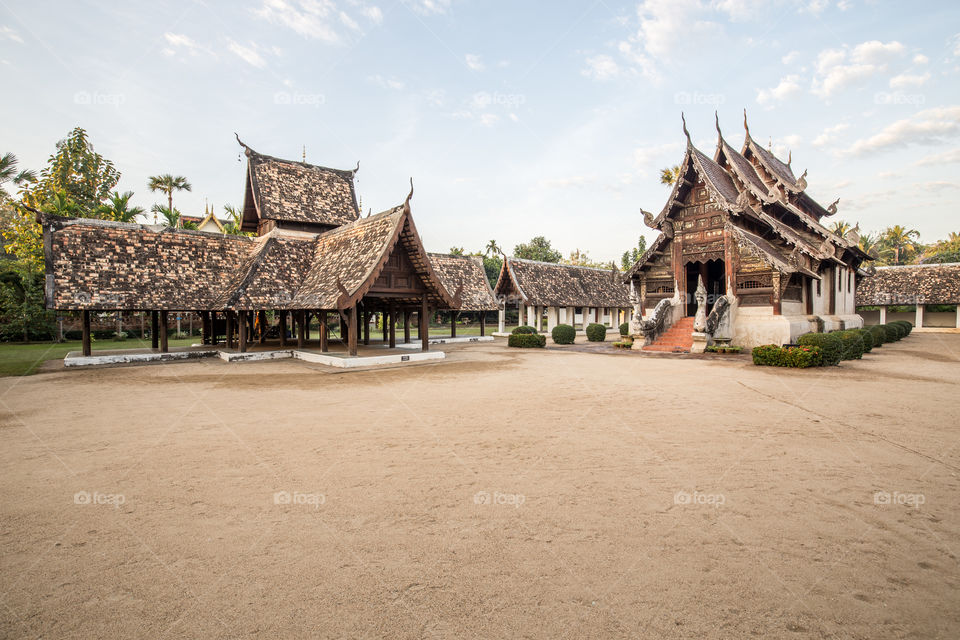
point(602, 67)
point(349, 22)
point(8, 33)
point(790, 58)
point(669, 25)
point(741, 9)
point(314, 19)
point(937, 185)
point(906, 80)
point(931, 126)
point(489, 119)
point(829, 134)
point(839, 69)
point(920, 59)
point(792, 139)
point(430, 7)
point(474, 62)
point(789, 87)
point(815, 7)
point(566, 183)
point(386, 83)
point(179, 42)
point(650, 158)
point(947, 157)
point(247, 54)
point(373, 14)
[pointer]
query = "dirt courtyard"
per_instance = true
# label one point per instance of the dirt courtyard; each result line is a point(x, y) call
point(501, 493)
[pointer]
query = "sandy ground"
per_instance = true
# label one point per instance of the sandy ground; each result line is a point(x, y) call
point(502, 493)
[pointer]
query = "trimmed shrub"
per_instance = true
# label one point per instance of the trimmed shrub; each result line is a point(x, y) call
point(906, 326)
point(893, 332)
point(625, 329)
point(867, 339)
point(879, 335)
point(596, 332)
point(563, 334)
point(852, 344)
point(527, 340)
point(523, 329)
point(831, 346)
point(770, 355)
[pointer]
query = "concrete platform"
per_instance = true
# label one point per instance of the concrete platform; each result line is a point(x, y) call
point(352, 362)
point(131, 356)
point(416, 345)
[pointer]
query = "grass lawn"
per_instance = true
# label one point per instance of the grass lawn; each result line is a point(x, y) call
point(17, 359)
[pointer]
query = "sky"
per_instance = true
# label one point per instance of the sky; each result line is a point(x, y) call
point(514, 118)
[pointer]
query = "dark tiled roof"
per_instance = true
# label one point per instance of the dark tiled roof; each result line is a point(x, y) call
point(773, 255)
point(715, 175)
point(744, 169)
point(771, 163)
point(911, 284)
point(299, 192)
point(467, 271)
point(560, 285)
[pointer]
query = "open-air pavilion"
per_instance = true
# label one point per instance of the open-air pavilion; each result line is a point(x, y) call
point(917, 285)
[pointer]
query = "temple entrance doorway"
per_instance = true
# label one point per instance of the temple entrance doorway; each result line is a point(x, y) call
point(714, 279)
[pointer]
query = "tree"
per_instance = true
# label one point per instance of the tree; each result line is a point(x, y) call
point(630, 257)
point(9, 173)
point(78, 172)
point(537, 249)
point(118, 208)
point(172, 217)
point(582, 259)
point(669, 175)
point(236, 219)
point(840, 227)
point(168, 184)
point(456, 251)
point(902, 242)
point(22, 312)
point(870, 243)
point(492, 266)
point(944, 251)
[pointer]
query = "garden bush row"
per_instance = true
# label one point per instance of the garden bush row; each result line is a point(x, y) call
point(831, 348)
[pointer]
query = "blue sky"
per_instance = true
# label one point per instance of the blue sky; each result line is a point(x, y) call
point(515, 118)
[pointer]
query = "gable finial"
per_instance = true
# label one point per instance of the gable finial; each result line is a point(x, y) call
point(746, 127)
point(247, 150)
point(789, 156)
point(716, 119)
point(685, 132)
point(406, 203)
point(357, 168)
point(304, 155)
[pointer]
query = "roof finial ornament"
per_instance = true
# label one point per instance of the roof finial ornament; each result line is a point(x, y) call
point(648, 219)
point(406, 203)
point(304, 155)
point(745, 126)
point(789, 156)
point(248, 151)
point(802, 181)
point(716, 119)
point(832, 209)
point(770, 143)
point(685, 132)
point(357, 168)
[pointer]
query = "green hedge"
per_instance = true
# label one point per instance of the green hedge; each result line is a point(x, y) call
point(523, 329)
point(625, 329)
point(879, 335)
point(830, 345)
point(867, 339)
point(893, 332)
point(903, 324)
point(771, 355)
point(527, 340)
point(563, 334)
point(852, 343)
point(596, 332)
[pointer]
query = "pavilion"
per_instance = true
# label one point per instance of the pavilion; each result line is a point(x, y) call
point(914, 285)
point(313, 254)
point(567, 294)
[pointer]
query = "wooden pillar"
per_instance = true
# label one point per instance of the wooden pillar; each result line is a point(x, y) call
point(324, 338)
point(301, 317)
point(424, 325)
point(212, 315)
point(205, 327)
point(393, 327)
point(406, 327)
point(306, 326)
point(229, 329)
point(383, 321)
point(283, 328)
point(453, 323)
point(85, 321)
point(352, 341)
point(483, 323)
point(262, 321)
point(243, 332)
point(366, 327)
point(164, 347)
point(154, 330)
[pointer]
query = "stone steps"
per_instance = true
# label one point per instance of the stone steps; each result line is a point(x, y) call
point(677, 339)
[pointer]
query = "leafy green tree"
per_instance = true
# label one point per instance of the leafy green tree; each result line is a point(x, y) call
point(902, 242)
point(669, 175)
point(840, 227)
point(168, 184)
point(236, 219)
point(491, 266)
point(22, 312)
point(944, 251)
point(118, 208)
point(456, 251)
point(582, 259)
point(171, 217)
point(537, 249)
point(630, 257)
point(9, 173)
point(77, 171)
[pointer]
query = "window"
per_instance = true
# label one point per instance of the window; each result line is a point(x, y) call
point(750, 284)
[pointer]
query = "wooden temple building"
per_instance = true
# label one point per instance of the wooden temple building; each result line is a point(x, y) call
point(313, 254)
point(743, 223)
point(566, 294)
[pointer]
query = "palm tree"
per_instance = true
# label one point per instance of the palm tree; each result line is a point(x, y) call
point(168, 184)
point(9, 173)
point(492, 247)
point(840, 227)
point(172, 217)
point(61, 204)
point(236, 219)
point(118, 208)
point(670, 175)
point(901, 241)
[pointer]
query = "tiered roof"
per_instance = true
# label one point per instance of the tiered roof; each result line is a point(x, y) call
point(466, 272)
point(561, 285)
point(770, 212)
point(911, 284)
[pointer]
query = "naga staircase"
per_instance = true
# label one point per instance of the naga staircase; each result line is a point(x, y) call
point(677, 339)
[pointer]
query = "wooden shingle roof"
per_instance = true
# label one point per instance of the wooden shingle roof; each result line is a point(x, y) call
point(561, 285)
point(911, 284)
point(467, 274)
